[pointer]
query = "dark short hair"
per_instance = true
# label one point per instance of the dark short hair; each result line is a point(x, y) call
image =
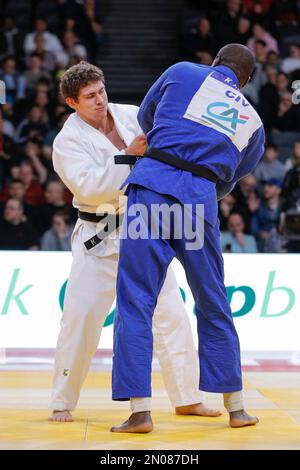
point(65, 214)
point(271, 145)
point(261, 42)
point(77, 77)
point(13, 198)
point(35, 141)
point(238, 213)
point(16, 181)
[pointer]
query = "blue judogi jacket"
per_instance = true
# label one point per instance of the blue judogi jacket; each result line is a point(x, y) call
point(197, 113)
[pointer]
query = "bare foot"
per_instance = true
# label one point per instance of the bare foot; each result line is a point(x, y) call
point(62, 416)
point(197, 409)
point(138, 422)
point(240, 418)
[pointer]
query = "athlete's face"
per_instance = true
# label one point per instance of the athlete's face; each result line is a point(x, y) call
point(92, 101)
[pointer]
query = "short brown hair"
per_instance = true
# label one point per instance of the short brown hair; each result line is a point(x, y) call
point(77, 77)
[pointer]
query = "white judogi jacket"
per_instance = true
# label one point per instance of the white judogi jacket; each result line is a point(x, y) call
point(83, 159)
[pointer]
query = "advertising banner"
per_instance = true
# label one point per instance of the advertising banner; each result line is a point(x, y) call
point(263, 290)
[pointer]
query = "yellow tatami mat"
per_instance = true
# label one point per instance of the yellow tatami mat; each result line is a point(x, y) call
point(24, 399)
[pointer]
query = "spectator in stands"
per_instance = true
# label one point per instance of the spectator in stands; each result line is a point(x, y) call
point(35, 72)
point(291, 229)
point(294, 160)
point(15, 82)
point(282, 83)
point(257, 10)
point(276, 106)
point(226, 206)
point(6, 126)
point(247, 199)
point(273, 59)
point(32, 154)
point(51, 41)
point(48, 60)
point(70, 23)
point(6, 151)
point(286, 17)
point(252, 89)
point(74, 59)
point(291, 188)
point(34, 194)
point(292, 62)
point(58, 238)
point(71, 47)
point(204, 58)
point(270, 167)
point(267, 216)
point(260, 51)
point(34, 125)
point(45, 85)
point(276, 241)
point(226, 24)
point(59, 111)
point(200, 39)
point(83, 18)
point(54, 201)
point(16, 190)
point(44, 102)
point(243, 30)
point(269, 98)
point(260, 33)
point(14, 170)
point(288, 117)
point(235, 240)
point(10, 39)
point(15, 233)
point(51, 134)
point(284, 12)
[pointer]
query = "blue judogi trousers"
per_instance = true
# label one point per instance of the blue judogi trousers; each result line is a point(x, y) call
point(142, 269)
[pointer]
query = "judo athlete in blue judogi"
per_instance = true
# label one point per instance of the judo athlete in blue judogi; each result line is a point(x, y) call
point(197, 114)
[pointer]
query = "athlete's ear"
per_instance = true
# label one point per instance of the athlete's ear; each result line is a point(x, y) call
point(216, 61)
point(70, 102)
point(247, 81)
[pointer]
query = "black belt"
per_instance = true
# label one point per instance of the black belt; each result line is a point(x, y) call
point(91, 217)
point(113, 222)
point(172, 160)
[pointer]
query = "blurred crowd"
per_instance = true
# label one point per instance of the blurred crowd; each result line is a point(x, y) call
point(261, 214)
point(35, 207)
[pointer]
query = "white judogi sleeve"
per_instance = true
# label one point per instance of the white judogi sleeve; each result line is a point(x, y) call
point(83, 158)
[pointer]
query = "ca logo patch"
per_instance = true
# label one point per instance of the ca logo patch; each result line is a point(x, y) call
point(224, 116)
point(66, 372)
point(223, 109)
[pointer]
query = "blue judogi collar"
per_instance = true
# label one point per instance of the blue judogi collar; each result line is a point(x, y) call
point(228, 72)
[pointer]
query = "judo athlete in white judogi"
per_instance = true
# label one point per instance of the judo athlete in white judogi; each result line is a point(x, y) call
point(203, 136)
point(83, 154)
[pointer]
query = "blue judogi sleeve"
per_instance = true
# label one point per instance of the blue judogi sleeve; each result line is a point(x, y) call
point(148, 107)
point(250, 158)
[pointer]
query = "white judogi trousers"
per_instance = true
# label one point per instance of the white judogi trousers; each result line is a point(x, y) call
point(89, 296)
